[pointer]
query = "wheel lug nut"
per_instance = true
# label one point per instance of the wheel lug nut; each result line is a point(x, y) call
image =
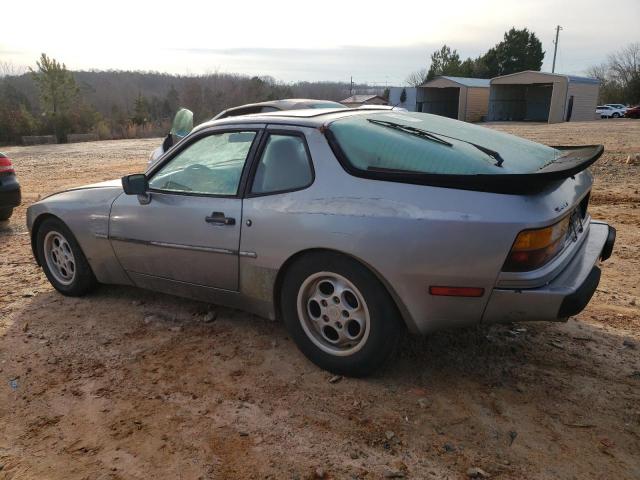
point(323, 303)
point(345, 314)
point(325, 318)
point(339, 325)
point(336, 300)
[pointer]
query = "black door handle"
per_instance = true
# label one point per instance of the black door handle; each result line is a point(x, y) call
point(219, 219)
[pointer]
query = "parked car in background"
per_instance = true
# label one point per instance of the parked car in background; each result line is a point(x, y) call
point(633, 112)
point(184, 123)
point(618, 106)
point(277, 105)
point(180, 127)
point(607, 111)
point(348, 224)
point(9, 188)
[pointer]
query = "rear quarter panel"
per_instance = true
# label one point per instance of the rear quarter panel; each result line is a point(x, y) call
point(411, 236)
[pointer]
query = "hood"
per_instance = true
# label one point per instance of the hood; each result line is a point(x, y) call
point(117, 183)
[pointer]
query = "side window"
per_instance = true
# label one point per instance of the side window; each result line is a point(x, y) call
point(284, 165)
point(212, 165)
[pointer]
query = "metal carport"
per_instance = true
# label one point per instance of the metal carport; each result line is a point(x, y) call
point(454, 97)
point(542, 97)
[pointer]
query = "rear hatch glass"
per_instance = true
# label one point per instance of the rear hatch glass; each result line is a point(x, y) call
point(418, 146)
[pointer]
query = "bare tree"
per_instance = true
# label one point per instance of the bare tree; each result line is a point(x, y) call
point(619, 76)
point(10, 69)
point(417, 78)
point(599, 72)
point(625, 63)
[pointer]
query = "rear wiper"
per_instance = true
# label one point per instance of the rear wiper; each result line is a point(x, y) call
point(432, 136)
point(411, 131)
point(492, 153)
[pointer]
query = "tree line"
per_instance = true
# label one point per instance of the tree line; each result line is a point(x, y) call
point(49, 99)
point(519, 50)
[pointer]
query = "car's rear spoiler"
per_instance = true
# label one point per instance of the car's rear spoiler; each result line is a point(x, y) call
point(573, 160)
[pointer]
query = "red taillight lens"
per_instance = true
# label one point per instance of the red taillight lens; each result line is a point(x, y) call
point(5, 164)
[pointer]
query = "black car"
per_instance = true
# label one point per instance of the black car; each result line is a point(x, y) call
point(9, 188)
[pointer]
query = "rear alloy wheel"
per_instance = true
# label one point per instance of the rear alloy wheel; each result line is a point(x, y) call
point(62, 260)
point(339, 314)
point(5, 213)
point(616, 115)
point(333, 313)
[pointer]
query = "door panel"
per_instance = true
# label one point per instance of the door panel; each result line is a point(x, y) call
point(171, 238)
point(188, 230)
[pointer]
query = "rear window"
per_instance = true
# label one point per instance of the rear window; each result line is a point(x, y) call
point(429, 144)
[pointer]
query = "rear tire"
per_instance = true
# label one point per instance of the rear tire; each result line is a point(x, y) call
point(616, 115)
point(339, 314)
point(62, 259)
point(5, 213)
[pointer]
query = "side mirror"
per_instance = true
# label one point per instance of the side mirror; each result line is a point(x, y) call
point(135, 184)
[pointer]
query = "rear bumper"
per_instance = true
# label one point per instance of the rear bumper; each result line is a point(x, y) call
point(9, 191)
point(566, 295)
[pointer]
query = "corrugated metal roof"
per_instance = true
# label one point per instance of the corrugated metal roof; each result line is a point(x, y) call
point(576, 79)
point(468, 82)
point(571, 78)
point(359, 98)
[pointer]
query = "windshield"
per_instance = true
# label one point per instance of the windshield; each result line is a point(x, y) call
point(422, 143)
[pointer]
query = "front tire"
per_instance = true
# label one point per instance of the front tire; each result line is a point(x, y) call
point(616, 115)
point(5, 213)
point(339, 314)
point(62, 259)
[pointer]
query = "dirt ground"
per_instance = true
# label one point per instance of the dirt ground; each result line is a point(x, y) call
point(128, 384)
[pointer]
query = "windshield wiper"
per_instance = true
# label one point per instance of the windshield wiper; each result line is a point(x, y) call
point(436, 138)
point(411, 131)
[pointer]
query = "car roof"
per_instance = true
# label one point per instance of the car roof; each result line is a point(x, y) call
point(308, 117)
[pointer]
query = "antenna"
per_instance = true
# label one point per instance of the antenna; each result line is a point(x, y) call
point(555, 49)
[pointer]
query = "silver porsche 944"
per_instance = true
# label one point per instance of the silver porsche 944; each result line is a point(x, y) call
point(350, 225)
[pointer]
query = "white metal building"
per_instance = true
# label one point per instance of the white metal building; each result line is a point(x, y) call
point(542, 97)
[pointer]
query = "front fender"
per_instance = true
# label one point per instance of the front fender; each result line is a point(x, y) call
point(86, 213)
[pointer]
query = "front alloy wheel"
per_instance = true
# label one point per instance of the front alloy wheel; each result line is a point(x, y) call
point(62, 259)
point(59, 257)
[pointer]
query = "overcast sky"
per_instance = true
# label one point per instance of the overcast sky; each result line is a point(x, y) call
point(375, 42)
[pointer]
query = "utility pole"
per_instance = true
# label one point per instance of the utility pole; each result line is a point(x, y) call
point(555, 49)
point(351, 87)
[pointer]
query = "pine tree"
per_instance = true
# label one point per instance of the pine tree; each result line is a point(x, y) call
point(444, 62)
point(58, 92)
point(140, 110)
point(519, 50)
